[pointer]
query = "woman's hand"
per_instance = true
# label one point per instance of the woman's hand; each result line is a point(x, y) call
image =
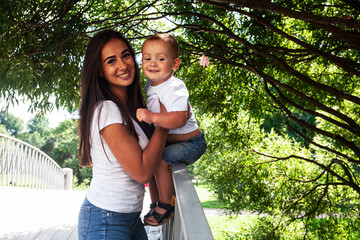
point(188, 111)
point(162, 108)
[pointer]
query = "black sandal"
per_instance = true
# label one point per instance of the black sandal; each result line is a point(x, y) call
point(152, 208)
point(162, 218)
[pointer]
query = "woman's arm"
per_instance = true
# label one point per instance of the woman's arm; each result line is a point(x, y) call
point(139, 164)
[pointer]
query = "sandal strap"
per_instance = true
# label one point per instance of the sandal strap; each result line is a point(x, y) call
point(161, 218)
point(152, 205)
point(166, 206)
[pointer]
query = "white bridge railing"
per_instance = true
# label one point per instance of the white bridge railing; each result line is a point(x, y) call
point(189, 221)
point(26, 166)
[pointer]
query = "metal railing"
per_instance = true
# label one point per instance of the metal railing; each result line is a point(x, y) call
point(189, 221)
point(26, 166)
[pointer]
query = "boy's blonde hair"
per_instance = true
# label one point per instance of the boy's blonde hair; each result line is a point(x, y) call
point(168, 38)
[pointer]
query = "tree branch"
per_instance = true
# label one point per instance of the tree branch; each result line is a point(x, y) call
point(322, 166)
point(335, 137)
point(346, 64)
point(281, 63)
point(350, 159)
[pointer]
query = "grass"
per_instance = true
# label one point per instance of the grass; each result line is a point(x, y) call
point(222, 227)
point(207, 199)
point(232, 227)
point(227, 227)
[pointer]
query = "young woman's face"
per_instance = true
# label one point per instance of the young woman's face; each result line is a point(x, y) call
point(118, 66)
point(158, 62)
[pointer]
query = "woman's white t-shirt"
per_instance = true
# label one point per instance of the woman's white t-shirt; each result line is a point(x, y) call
point(111, 188)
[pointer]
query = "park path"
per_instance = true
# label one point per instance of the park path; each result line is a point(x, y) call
point(38, 214)
point(46, 214)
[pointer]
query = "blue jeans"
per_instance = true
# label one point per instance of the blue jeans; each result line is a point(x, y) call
point(185, 152)
point(96, 224)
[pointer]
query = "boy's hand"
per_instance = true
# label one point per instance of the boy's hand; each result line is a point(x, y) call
point(144, 115)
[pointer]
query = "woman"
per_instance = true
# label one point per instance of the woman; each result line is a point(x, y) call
point(112, 142)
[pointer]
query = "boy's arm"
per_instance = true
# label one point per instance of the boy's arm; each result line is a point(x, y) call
point(168, 120)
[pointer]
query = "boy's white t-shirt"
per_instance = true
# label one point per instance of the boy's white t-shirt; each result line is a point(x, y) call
point(111, 188)
point(174, 95)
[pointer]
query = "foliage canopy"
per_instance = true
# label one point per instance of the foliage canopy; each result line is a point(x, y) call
point(282, 91)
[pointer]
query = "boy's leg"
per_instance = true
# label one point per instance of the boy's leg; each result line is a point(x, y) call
point(153, 190)
point(181, 152)
point(165, 184)
point(186, 152)
point(154, 196)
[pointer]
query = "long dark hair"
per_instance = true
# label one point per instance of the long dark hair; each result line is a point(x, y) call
point(95, 88)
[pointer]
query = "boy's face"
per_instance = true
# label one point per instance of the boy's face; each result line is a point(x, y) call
point(158, 62)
